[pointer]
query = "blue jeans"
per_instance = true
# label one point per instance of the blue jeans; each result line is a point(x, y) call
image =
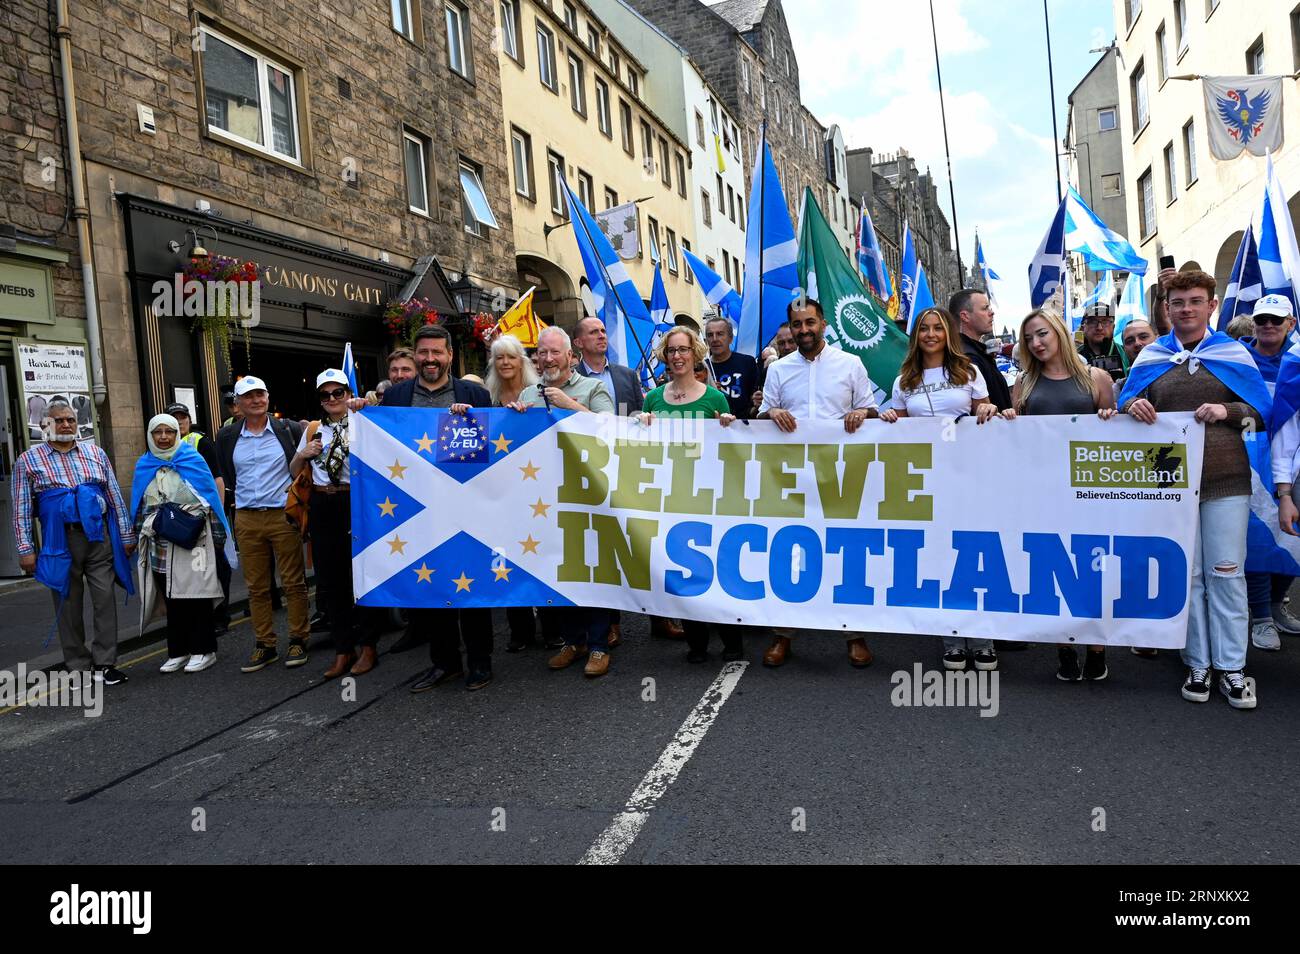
point(1266, 590)
point(1218, 617)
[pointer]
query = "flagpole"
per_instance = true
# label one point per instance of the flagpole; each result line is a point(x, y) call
point(762, 229)
point(943, 114)
point(1051, 86)
point(627, 317)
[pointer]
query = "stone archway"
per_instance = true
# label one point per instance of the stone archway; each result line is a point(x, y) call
point(556, 300)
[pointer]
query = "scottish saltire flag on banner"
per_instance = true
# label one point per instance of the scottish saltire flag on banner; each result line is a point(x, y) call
point(1279, 258)
point(350, 369)
point(992, 280)
point(1268, 549)
point(615, 299)
point(1243, 113)
point(1103, 294)
point(871, 262)
point(855, 321)
point(1047, 270)
point(1102, 249)
point(771, 250)
point(661, 314)
point(548, 508)
point(716, 291)
point(913, 288)
point(1245, 284)
point(1132, 304)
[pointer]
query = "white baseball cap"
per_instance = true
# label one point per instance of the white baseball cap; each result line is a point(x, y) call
point(1274, 305)
point(332, 376)
point(249, 383)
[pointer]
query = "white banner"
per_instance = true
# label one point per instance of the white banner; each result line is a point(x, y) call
point(1243, 112)
point(621, 226)
point(1045, 529)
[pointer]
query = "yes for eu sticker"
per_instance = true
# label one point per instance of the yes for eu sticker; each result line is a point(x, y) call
point(462, 438)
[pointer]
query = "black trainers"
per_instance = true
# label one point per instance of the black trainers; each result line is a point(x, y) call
point(1068, 670)
point(1236, 688)
point(297, 654)
point(262, 657)
point(477, 679)
point(111, 675)
point(1094, 666)
point(955, 659)
point(1196, 688)
point(319, 623)
point(986, 660)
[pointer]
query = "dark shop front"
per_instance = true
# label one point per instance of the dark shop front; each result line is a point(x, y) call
point(312, 300)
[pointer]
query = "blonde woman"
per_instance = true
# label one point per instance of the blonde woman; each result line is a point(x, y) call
point(1054, 380)
point(509, 370)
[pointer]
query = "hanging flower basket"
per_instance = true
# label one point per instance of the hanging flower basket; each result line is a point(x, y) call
point(403, 319)
point(483, 329)
point(230, 293)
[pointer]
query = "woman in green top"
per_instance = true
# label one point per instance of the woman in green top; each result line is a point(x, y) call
point(684, 396)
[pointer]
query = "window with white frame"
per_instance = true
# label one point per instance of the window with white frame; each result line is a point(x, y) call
point(611, 198)
point(458, 33)
point(634, 82)
point(510, 28)
point(475, 208)
point(699, 128)
point(1162, 55)
point(249, 97)
point(707, 208)
point(689, 276)
point(602, 108)
point(416, 149)
point(744, 73)
point(1171, 174)
point(1180, 26)
point(665, 164)
point(546, 58)
point(681, 175)
point(672, 251)
point(1255, 58)
point(521, 148)
point(577, 85)
point(570, 17)
point(1189, 150)
point(654, 238)
point(593, 40)
point(625, 126)
point(404, 18)
point(1147, 204)
point(555, 173)
point(1107, 119)
point(586, 190)
point(1138, 91)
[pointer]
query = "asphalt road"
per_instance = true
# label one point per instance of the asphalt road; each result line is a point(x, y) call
point(810, 763)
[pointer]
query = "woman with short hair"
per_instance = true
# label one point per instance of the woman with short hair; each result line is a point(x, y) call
point(937, 379)
point(1055, 380)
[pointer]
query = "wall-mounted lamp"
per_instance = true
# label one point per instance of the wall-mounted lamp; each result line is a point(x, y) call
point(196, 248)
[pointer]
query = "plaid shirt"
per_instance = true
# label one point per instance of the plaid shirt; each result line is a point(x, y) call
point(43, 468)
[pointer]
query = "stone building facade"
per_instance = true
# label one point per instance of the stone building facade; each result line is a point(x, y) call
point(353, 150)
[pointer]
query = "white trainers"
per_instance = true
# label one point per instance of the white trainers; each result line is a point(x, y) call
point(1263, 635)
point(1284, 621)
point(200, 663)
point(174, 663)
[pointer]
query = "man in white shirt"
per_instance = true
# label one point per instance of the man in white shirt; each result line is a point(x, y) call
point(816, 382)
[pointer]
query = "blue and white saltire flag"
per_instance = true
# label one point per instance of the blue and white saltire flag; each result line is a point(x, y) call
point(350, 369)
point(662, 316)
point(1047, 270)
point(771, 257)
point(1279, 259)
point(991, 278)
point(1132, 304)
point(615, 299)
point(1103, 294)
point(1245, 284)
point(871, 262)
point(1228, 360)
point(1102, 248)
point(716, 290)
point(423, 464)
point(913, 289)
point(1268, 549)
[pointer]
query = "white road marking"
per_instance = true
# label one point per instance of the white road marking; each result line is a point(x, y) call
point(617, 838)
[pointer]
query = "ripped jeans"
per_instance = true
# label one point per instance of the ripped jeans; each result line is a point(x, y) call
point(1218, 618)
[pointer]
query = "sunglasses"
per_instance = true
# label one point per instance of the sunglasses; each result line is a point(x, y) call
point(1274, 320)
point(333, 395)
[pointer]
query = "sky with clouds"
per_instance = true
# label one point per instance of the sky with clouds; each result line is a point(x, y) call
point(869, 66)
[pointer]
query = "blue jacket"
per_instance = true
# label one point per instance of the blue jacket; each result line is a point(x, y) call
point(83, 504)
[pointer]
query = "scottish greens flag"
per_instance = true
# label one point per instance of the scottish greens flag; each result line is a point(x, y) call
point(855, 322)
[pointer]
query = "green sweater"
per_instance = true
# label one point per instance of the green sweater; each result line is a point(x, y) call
point(712, 400)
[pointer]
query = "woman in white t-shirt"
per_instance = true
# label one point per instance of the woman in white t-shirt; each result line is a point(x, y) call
point(938, 380)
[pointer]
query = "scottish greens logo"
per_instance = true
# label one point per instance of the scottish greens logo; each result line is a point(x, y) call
point(858, 324)
point(1128, 465)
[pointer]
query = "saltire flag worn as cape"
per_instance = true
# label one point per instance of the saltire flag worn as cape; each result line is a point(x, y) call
point(855, 321)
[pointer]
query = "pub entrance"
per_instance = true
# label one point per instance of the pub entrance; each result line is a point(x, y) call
point(289, 365)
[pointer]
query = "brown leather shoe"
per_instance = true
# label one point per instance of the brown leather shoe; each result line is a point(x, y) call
point(615, 634)
point(778, 652)
point(341, 663)
point(597, 665)
point(368, 660)
point(666, 628)
point(859, 654)
point(567, 656)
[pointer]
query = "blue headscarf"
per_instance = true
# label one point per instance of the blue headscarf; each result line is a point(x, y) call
point(192, 468)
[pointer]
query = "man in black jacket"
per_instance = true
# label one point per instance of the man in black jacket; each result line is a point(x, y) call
point(435, 386)
point(254, 453)
point(971, 310)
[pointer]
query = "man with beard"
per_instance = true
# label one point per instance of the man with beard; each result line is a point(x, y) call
point(816, 383)
point(585, 631)
point(86, 536)
point(435, 386)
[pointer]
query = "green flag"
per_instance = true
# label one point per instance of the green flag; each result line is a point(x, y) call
point(854, 319)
